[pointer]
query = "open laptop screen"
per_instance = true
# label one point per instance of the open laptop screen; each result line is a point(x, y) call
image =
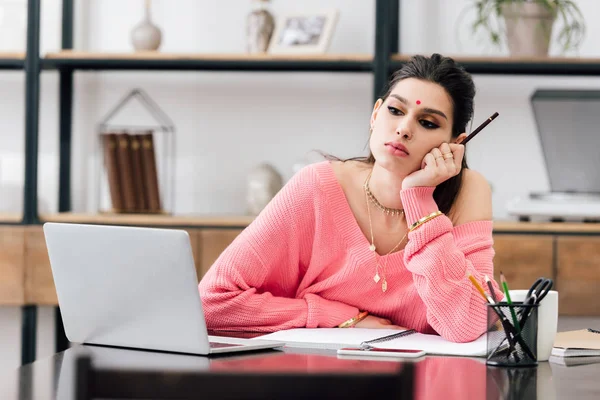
point(568, 124)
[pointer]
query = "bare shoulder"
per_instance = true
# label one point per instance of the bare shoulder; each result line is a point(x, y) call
point(474, 201)
point(474, 180)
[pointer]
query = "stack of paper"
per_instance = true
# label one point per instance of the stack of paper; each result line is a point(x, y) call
point(335, 338)
point(580, 343)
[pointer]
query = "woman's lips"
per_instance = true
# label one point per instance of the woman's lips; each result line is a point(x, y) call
point(396, 149)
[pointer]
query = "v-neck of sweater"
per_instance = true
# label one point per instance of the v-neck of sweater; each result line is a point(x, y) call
point(343, 216)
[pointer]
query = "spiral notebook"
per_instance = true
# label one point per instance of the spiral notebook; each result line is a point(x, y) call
point(335, 338)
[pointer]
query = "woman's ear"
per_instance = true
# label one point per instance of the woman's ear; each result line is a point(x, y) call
point(460, 138)
point(376, 108)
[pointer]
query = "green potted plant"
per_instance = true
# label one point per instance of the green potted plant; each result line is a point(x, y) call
point(528, 24)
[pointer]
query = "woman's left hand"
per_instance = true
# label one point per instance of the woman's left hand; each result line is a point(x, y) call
point(439, 165)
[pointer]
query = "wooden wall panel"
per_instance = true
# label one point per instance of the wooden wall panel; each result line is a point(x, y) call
point(39, 284)
point(212, 244)
point(578, 280)
point(523, 259)
point(12, 265)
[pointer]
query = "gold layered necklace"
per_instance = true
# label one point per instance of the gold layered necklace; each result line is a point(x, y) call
point(386, 210)
point(372, 247)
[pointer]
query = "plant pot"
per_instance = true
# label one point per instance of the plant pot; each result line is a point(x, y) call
point(528, 28)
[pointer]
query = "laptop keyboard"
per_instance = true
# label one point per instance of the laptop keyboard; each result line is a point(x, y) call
point(217, 345)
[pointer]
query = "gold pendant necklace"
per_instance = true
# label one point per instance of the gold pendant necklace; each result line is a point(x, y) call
point(372, 247)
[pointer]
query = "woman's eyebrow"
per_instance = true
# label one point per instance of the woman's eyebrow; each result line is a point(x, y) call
point(426, 109)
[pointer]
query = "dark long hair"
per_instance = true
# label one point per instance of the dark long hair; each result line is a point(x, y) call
point(460, 87)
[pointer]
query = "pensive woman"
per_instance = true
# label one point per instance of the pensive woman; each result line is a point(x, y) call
point(385, 241)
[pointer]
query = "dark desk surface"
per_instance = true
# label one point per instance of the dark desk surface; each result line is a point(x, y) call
point(435, 377)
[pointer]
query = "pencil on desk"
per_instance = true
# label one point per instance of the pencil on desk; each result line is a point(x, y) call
point(509, 301)
point(491, 287)
point(480, 289)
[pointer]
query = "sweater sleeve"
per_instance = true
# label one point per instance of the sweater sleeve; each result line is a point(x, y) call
point(252, 286)
point(439, 256)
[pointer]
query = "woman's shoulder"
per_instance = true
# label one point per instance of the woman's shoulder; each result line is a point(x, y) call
point(475, 180)
point(346, 171)
point(330, 180)
point(474, 200)
point(329, 172)
point(313, 179)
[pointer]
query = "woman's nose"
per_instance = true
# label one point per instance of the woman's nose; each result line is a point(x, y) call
point(405, 129)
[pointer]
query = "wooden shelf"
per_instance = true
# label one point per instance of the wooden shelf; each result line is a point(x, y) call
point(153, 60)
point(546, 227)
point(10, 60)
point(519, 65)
point(241, 221)
point(196, 221)
point(10, 218)
point(12, 56)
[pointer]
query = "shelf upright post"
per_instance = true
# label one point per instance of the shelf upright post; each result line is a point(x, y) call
point(65, 129)
point(386, 42)
point(30, 216)
point(66, 111)
point(32, 103)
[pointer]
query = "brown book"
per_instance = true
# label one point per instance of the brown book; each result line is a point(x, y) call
point(109, 142)
point(150, 172)
point(125, 172)
point(137, 173)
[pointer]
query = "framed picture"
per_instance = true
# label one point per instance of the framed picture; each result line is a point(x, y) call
point(306, 33)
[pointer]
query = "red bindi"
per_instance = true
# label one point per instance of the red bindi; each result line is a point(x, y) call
point(418, 102)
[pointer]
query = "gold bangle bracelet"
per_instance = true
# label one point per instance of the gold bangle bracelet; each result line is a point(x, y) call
point(354, 320)
point(424, 219)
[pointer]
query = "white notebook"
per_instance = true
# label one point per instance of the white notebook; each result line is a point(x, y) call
point(336, 338)
point(582, 342)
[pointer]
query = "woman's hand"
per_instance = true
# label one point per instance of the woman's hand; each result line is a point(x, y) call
point(377, 323)
point(439, 165)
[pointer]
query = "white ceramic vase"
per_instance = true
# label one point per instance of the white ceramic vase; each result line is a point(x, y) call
point(146, 36)
point(259, 28)
point(262, 185)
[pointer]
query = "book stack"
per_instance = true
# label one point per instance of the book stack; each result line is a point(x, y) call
point(130, 163)
point(576, 347)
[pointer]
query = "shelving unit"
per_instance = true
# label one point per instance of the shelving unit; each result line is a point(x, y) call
point(387, 57)
point(207, 62)
point(520, 66)
point(12, 61)
point(10, 218)
point(188, 221)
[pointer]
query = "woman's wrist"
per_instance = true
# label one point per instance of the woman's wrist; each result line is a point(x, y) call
point(417, 202)
point(426, 218)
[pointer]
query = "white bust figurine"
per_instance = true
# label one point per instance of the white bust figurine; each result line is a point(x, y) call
point(263, 184)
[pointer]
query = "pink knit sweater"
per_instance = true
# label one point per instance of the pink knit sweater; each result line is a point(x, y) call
point(304, 262)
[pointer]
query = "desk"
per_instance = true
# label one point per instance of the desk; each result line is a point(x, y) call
point(435, 377)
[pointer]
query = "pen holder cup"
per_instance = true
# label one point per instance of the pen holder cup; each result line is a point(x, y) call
point(507, 345)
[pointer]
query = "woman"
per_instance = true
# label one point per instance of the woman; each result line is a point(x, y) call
point(382, 242)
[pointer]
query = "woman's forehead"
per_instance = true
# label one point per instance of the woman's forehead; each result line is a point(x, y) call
point(417, 92)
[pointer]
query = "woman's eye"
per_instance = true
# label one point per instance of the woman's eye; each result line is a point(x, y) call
point(394, 110)
point(428, 124)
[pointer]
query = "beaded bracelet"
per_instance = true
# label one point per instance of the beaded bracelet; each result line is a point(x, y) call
point(354, 320)
point(424, 219)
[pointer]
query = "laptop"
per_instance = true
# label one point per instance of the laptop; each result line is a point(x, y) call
point(132, 287)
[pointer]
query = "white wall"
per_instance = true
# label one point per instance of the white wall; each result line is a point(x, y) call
point(273, 117)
